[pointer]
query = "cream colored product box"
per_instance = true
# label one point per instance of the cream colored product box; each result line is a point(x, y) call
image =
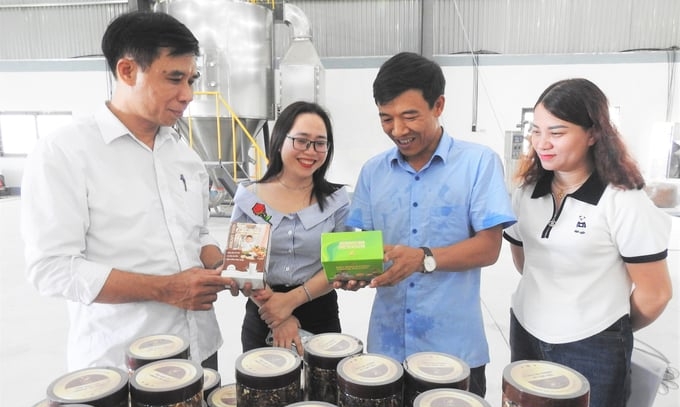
point(352, 255)
point(246, 256)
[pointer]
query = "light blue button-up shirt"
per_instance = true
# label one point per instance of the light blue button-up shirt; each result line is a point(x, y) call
point(460, 191)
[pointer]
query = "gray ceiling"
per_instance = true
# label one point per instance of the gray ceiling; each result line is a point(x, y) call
point(35, 29)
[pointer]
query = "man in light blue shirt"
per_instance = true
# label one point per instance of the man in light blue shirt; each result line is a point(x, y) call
point(441, 205)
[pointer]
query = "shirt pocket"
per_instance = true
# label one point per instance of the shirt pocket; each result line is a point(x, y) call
point(191, 196)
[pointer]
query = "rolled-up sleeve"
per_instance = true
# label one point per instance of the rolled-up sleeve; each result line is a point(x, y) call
point(54, 221)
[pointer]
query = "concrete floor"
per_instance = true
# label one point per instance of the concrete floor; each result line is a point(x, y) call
point(33, 328)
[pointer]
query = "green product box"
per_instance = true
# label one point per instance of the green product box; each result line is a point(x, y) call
point(352, 255)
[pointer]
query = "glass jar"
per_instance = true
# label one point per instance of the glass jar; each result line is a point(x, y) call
point(224, 396)
point(151, 348)
point(95, 385)
point(268, 377)
point(432, 370)
point(449, 397)
point(323, 352)
point(370, 380)
point(541, 383)
point(167, 383)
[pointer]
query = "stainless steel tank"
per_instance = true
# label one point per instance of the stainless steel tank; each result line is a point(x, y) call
point(235, 66)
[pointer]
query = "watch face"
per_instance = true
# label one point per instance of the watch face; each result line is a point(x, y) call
point(429, 264)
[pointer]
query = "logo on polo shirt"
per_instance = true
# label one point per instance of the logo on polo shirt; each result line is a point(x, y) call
point(580, 225)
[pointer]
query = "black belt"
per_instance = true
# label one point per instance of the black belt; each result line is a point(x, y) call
point(284, 288)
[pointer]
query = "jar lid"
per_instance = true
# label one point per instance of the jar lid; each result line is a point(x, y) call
point(211, 381)
point(541, 380)
point(105, 385)
point(370, 375)
point(268, 368)
point(156, 347)
point(166, 381)
point(224, 396)
point(326, 350)
point(435, 368)
point(42, 403)
point(311, 403)
point(449, 397)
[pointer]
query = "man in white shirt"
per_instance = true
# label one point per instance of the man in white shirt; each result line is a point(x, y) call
point(115, 206)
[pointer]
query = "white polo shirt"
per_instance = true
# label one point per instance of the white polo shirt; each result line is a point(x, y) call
point(575, 283)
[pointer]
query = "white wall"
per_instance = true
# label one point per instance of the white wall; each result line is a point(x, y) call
point(640, 90)
point(506, 85)
point(47, 91)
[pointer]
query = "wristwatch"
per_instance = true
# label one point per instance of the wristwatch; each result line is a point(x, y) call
point(429, 263)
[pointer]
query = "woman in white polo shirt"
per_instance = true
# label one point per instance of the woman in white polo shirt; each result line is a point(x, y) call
point(589, 243)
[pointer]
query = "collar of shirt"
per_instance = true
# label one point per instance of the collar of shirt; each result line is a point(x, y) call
point(309, 216)
point(590, 192)
point(441, 152)
point(112, 128)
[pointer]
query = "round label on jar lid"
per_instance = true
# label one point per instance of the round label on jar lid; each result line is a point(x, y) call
point(167, 381)
point(267, 362)
point(436, 367)
point(449, 398)
point(168, 374)
point(334, 345)
point(224, 396)
point(90, 384)
point(546, 379)
point(157, 346)
point(370, 369)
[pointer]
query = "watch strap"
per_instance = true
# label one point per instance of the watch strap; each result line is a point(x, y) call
point(427, 251)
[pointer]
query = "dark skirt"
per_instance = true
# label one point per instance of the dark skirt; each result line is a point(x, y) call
point(318, 316)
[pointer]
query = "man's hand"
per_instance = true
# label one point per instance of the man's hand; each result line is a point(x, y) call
point(196, 289)
point(404, 261)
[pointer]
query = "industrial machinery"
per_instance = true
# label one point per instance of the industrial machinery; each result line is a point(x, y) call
point(227, 122)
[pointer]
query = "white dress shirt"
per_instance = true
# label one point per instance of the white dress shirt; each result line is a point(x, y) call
point(95, 198)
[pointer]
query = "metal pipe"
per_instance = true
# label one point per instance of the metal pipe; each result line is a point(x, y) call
point(296, 18)
point(475, 90)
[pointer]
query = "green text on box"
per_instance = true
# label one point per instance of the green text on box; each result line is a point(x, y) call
point(352, 255)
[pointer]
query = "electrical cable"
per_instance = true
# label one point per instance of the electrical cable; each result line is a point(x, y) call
point(668, 381)
point(475, 62)
point(672, 53)
point(505, 339)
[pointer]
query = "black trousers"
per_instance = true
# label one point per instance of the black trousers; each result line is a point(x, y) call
point(318, 316)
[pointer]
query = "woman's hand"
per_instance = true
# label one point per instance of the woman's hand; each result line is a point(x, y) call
point(287, 334)
point(278, 308)
point(261, 296)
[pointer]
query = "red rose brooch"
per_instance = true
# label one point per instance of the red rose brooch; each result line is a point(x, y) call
point(260, 210)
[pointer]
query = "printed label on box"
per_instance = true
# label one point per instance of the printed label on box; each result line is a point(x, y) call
point(247, 253)
point(352, 255)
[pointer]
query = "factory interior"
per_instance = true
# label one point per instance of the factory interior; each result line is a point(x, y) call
point(497, 57)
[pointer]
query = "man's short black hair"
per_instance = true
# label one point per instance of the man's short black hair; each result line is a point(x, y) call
point(405, 71)
point(141, 35)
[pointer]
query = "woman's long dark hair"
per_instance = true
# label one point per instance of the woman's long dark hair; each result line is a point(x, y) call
point(322, 188)
point(581, 102)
